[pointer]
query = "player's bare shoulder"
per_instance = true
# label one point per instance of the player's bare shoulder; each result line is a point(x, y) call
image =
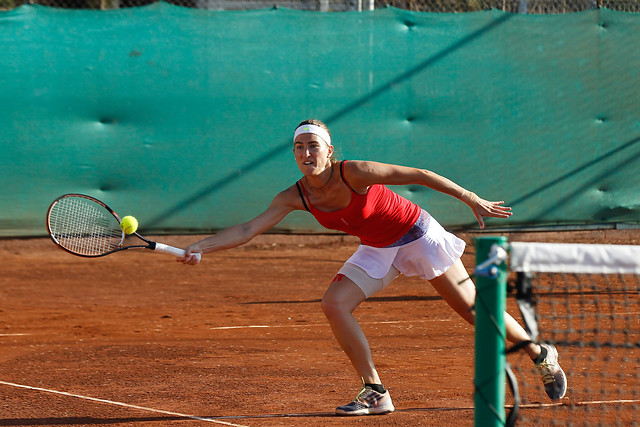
point(364, 168)
point(361, 174)
point(369, 173)
point(289, 198)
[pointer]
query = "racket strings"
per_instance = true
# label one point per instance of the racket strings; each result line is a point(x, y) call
point(84, 227)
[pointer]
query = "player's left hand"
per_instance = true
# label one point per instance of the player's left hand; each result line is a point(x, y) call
point(484, 208)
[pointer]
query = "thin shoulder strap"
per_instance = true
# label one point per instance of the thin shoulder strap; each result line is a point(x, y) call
point(300, 190)
point(342, 175)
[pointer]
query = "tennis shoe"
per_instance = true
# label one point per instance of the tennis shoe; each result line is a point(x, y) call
point(367, 402)
point(553, 377)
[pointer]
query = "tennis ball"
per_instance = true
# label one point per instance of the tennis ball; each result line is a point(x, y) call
point(129, 224)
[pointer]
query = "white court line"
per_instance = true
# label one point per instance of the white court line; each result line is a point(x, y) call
point(585, 403)
point(326, 324)
point(13, 335)
point(126, 405)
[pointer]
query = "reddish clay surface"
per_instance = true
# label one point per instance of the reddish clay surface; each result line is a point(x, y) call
point(239, 339)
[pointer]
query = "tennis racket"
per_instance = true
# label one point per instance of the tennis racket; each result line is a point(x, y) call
point(84, 226)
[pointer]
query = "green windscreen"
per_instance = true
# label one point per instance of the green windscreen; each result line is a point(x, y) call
point(184, 118)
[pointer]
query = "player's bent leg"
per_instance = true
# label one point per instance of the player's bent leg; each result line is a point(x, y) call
point(338, 303)
point(457, 289)
point(459, 292)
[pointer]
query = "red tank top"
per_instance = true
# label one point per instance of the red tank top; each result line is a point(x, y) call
point(378, 218)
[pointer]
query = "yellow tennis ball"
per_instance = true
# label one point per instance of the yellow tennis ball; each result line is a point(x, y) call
point(129, 224)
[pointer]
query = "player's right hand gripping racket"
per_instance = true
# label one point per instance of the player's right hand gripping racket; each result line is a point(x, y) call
point(84, 226)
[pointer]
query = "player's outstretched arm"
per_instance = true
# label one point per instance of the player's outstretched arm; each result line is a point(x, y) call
point(364, 174)
point(240, 234)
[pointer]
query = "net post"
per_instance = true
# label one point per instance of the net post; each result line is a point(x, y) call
point(490, 359)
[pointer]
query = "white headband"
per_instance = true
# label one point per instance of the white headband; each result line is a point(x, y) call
point(316, 130)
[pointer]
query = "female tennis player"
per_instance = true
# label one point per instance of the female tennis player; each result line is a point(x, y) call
point(397, 237)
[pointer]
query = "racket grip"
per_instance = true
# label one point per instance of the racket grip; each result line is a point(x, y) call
point(166, 249)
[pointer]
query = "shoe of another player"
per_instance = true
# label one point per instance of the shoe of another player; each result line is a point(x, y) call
point(553, 377)
point(367, 402)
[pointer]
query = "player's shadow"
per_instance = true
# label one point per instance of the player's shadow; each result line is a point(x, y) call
point(628, 159)
point(239, 418)
point(399, 298)
point(333, 415)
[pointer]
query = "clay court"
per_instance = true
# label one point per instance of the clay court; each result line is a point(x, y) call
point(240, 339)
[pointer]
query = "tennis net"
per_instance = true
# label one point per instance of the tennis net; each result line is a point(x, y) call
point(585, 300)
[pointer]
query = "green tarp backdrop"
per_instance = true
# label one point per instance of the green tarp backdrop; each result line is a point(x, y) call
point(184, 117)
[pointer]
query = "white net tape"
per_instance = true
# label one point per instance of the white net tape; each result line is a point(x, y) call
point(575, 258)
point(584, 299)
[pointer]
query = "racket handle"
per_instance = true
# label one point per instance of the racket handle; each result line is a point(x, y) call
point(166, 249)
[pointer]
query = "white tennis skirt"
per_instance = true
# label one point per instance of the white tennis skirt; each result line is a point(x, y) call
point(427, 257)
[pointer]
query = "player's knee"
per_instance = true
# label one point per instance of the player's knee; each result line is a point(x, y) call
point(342, 297)
point(334, 302)
point(332, 307)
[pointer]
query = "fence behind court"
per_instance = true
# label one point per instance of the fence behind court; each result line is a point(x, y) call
point(444, 6)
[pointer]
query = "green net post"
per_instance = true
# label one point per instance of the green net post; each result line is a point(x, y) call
point(491, 284)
